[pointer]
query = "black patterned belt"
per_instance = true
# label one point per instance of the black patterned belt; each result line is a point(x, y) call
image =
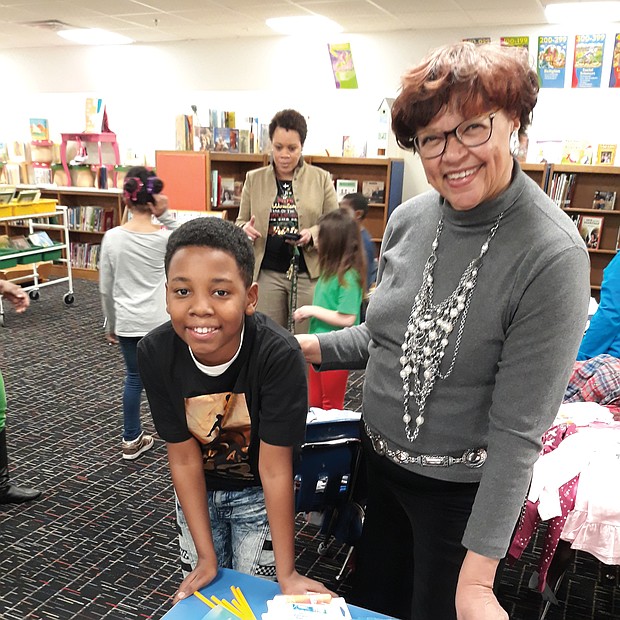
point(472, 458)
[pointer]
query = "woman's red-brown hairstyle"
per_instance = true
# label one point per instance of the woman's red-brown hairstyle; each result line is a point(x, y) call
point(467, 78)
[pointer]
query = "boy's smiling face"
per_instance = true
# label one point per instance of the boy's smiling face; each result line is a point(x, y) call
point(207, 300)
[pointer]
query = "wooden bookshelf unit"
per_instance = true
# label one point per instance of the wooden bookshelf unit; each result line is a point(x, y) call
point(90, 213)
point(360, 169)
point(187, 179)
point(579, 202)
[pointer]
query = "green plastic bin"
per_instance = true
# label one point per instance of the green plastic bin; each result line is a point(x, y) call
point(5, 263)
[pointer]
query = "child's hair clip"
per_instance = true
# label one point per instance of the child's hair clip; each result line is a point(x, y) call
point(131, 187)
point(154, 185)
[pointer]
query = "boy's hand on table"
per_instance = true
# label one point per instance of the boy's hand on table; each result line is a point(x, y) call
point(298, 584)
point(201, 576)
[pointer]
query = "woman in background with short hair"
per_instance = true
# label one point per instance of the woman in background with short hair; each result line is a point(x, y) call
point(280, 207)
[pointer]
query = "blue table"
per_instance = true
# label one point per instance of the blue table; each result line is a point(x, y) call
point(256, 591)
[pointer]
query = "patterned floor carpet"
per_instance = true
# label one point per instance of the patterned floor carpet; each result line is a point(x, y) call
point(101, 541)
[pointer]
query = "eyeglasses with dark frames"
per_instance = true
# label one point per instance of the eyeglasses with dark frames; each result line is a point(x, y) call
point(472, 132)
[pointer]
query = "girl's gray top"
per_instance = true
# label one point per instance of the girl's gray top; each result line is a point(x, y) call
point(132, 278)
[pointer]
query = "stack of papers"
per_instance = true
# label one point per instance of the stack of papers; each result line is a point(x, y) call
point(288, 607)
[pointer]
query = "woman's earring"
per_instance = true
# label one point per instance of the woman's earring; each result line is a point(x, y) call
point(514, 142)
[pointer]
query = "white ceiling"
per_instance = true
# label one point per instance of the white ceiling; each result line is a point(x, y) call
point(151, 21)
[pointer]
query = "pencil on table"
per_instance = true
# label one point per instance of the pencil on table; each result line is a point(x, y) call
point(241, 598)
point(226, 605)
point(204, 599)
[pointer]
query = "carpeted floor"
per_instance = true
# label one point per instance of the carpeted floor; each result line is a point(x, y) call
point(101, 542)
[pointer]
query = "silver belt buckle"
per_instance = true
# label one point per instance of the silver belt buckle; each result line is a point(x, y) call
point(474, 457)
point(434, 460)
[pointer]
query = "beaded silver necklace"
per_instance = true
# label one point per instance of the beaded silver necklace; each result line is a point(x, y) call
point(428, 329)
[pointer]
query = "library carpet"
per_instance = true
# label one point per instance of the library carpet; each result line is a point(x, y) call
point(100, 543)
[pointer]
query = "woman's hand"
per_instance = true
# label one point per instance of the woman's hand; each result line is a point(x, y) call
point(310, 347)
point(475, 599)
point(15, 294)
point(250, 231)
point(305, 237)
point(111, 338)
point(159, 205)
point(202, 575)
point(477, 602)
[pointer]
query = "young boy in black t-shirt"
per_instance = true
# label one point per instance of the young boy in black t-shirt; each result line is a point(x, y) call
point(227, 391)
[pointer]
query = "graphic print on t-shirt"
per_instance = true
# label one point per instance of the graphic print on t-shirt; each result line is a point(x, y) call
point(221, 423)
point(283, 217)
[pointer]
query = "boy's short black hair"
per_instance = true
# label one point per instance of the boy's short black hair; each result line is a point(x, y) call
point(358, 202)
point(213, 232)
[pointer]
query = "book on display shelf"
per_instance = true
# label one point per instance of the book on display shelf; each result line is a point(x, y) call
point(6, 195)
point(28, 195)
point(39, 130)
point(19, 242)
point(374, 190)
point(344, 187)
point(604, 200)
point(606, 154)
point(40, 239)
point(590, 229)
point(227, 191)
point(238, 190)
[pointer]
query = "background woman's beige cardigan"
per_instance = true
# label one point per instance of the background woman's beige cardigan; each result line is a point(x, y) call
point(314, 194)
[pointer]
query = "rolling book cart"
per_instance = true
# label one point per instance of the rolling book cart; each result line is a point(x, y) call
point(45, 217)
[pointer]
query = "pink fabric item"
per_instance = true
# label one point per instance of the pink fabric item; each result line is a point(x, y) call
point(594, 524)
point(530, 518)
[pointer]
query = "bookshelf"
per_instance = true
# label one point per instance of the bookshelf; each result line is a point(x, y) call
point(577, 201)
point(90, 213)
point(537, 172)
point(234, 166)
point(176, 167)
point(388, 171)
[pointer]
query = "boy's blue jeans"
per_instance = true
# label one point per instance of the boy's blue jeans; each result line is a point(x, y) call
point(241, 534)
point(132, 392)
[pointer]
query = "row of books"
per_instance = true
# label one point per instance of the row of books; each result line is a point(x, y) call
point(572, 152)
point(90, 218)
point(232, 140)
point(39, 239)
point(84, 255)
point(562, 189)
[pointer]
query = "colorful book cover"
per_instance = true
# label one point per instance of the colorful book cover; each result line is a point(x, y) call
point(577, 152)
point(344, 187)
point(590, 229)
point(604, 200)
point(606, 154)
point(588, 63)
point(204, 137)
point(478, 40)
point(39, 129)
point(222, 139)
point(552, 61)
point(342, 65)
point(515, 42)
point(614, 78)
